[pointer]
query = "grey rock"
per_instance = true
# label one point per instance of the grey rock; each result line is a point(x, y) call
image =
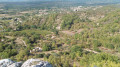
point(17, 64)
point(36, 63)
point(28, 63)
point(9, 63)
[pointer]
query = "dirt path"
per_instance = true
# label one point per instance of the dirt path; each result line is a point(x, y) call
point(89, 50)
point(72, 32)
point(48, 52)
point(68, 32)
point(103, 49)
point(106, 50)
point(80, 30)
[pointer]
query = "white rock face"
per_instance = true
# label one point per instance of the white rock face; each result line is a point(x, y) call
point(36, 63)
point(17, 64)
point(9, 63)
point(28, 63)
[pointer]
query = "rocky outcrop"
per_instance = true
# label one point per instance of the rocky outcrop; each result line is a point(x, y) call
point(36, 63)
point(9, 63)
point(28, 63)
point(17, 64)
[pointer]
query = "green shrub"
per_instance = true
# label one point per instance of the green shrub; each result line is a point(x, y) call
point(46, 47)
point(40, 55)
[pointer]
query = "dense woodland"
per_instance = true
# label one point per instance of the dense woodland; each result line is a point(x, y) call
point(89, 38)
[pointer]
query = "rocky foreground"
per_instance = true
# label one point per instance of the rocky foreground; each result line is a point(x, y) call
point(28, 63)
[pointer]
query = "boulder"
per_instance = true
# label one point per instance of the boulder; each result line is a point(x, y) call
point(36, 63)
point(17, 64)
point(9, 63)
point(28, 63)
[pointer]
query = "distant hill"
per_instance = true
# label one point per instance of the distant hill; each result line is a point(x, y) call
point(82, 1)
point(12, 0)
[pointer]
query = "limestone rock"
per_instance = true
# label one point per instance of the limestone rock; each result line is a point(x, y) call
point(9, 63)
point(28, 63)
point(36, 63)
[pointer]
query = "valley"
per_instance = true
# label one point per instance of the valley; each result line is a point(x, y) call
point(64, 36)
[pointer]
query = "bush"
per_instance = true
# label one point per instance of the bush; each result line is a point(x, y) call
point(46, 47)
point(76, 48)
point(96, 43)
point(108, 45)
point(40, 55)
point(22, 55)
point(13, 52)
point(1, 48)
point(4, 55)
point(97, 49)
point(76, 51)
